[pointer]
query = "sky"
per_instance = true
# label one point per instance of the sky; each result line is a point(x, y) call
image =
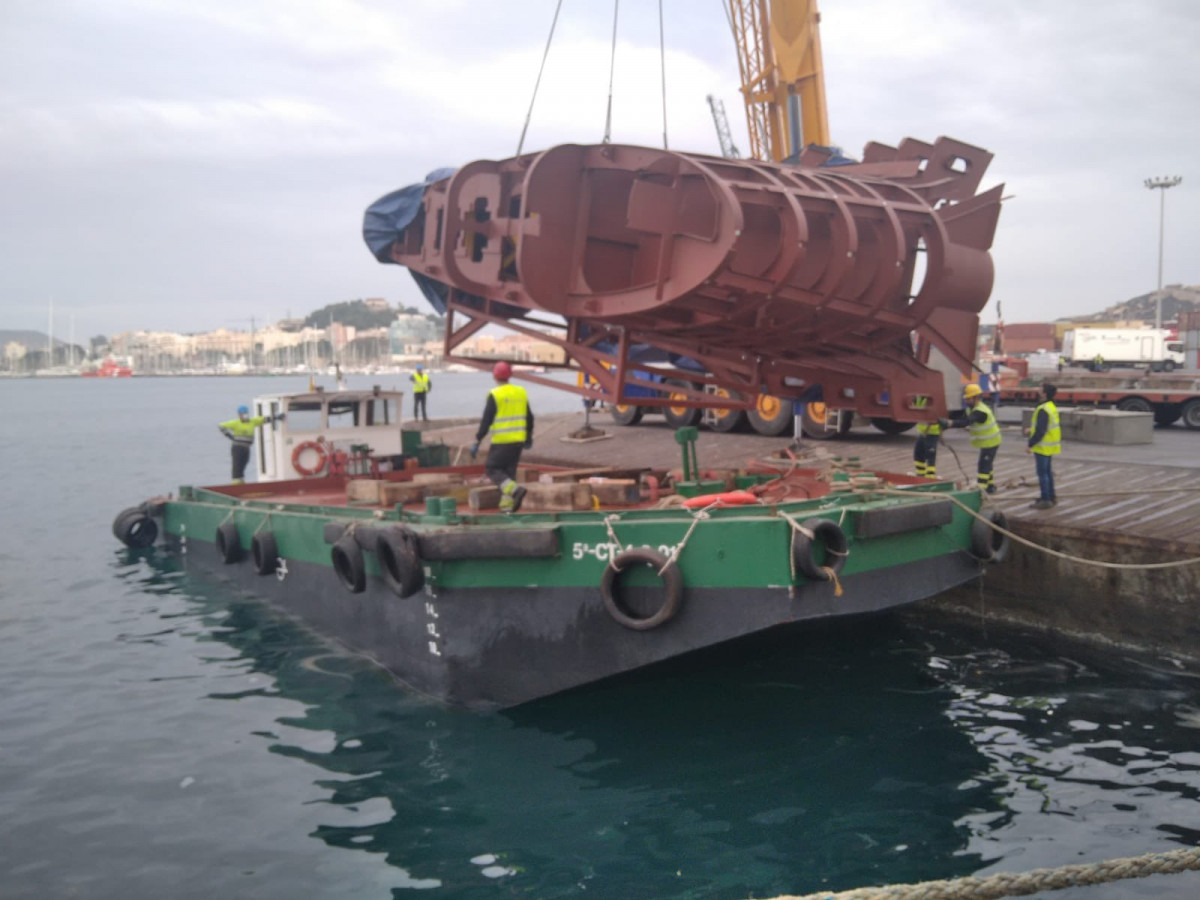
point(185, 166)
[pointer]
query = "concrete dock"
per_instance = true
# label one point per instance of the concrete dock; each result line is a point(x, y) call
point(1132, 505)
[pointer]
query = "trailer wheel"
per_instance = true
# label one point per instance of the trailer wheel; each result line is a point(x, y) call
point(1191, 414)
point(770, 416)
point(1135, 404)
point(891, 426)
point(626, 415)
point(728, 419)
point(1166, 414)
point(681, 416)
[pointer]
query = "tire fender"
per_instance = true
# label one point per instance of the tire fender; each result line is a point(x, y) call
point(399, 555)
point(829, 537)
point(229, 544)
point(264, 552)
point(135, 528)
point(987, 544)
point(348, 564)
point(672, 588)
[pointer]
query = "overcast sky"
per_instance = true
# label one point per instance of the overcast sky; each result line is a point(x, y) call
point(187, 164)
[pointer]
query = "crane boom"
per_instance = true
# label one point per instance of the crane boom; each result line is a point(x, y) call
point(783, 82)
point(724, 137)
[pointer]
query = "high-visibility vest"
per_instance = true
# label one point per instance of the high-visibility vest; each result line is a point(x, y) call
point(1051, 441)
point(933, 428)
point(986, 433)
point(512, 408)
point(242, 432)
point(420, 383)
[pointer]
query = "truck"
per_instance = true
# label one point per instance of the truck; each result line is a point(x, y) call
point(1099, 349)
point(1169, 398)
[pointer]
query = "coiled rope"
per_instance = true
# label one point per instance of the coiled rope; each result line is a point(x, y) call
point(1006, 884)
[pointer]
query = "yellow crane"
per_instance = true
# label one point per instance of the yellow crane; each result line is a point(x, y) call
point(783, 81)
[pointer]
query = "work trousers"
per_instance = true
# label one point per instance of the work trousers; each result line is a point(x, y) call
point(987, 459)
point(240, 455)
point(1045, 474)
point(501, 463)
point(419, 411)
point(925, 455)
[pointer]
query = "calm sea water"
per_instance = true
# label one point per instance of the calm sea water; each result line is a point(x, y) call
point(162, 736)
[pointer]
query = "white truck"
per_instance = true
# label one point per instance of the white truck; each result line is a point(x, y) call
point(1099, 349)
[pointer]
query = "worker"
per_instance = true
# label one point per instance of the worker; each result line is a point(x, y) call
point(925, 450)
point(241, 432)
point(994, 384)
point(1045, 442)
point(422, 385)
point(509, 418)
point(1098, 363)
point(981, 422)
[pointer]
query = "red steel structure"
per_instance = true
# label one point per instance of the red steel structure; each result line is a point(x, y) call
point(775, 278)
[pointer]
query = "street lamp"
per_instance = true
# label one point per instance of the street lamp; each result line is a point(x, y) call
point(1168, 181)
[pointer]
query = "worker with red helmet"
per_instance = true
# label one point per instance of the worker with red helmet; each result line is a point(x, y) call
point(509, 419)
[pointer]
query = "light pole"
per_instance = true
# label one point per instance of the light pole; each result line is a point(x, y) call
point(1167, 181)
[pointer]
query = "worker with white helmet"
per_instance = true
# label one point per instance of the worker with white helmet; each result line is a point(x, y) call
point(985, 434)
point(508, 417)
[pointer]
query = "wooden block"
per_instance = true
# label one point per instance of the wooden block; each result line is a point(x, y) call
point(362, 490)
point(572, 474)
point(393, 492)
point(460, 492)
point(615, 491)
point(438, 478)
point(487, 497)
point(558, 497)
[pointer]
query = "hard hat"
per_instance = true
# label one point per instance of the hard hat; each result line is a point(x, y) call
point(502, 371)
point(243, 410)
point(418, 367)
point(972, 390)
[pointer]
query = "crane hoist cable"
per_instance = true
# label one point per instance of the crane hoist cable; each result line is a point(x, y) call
point(538, 82)
point(612, 67)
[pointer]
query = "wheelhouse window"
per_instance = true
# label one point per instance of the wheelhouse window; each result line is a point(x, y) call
point(304, 415)
point(343, 414)
point(379, 411)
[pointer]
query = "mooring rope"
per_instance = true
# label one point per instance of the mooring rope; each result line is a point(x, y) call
point(1007, 884)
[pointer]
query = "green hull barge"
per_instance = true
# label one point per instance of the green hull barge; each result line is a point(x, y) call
point(484, 610)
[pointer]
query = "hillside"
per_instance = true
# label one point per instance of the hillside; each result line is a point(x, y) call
point(1175, 299)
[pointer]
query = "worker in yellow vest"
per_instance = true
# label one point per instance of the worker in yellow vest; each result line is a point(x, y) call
point(985, 434)
point(241, 432)
point(508, 417)
point(422, 385)
point(1045, 443)
point(925, 450)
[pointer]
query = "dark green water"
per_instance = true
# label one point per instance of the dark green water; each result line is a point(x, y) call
point(166, 736)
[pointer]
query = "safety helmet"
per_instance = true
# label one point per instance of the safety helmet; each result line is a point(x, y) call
point(502, 371)
point(243, 410)
point(972, 390)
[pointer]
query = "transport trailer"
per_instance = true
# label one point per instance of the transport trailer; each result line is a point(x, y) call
point(1170, 399)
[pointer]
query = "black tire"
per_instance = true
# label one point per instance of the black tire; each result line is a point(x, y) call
point(399, 557)
point(134, 528)
point(1190, 413)
point(830, 539)
point(727, 419)
point(229, 543)
point(891, 426)
point(626, 415)
point(348, 564)
point(681, 416)
point(987, 544)
point(1168, 365)
point(1135, 404)
point(770, 416)
point(1166, 414)
point(620, 610)
point(812, 422)
point(264, 552)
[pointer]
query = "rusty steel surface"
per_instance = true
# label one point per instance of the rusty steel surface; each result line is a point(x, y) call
point(775, 278)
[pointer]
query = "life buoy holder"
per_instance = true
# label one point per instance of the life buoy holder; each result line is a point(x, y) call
point(666, 569)
point(829, 537)
point(322, 458)
point(988, 544)
point(728, 498)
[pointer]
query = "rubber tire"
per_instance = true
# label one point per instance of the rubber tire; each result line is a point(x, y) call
point(812, 423)
point(1191, 414)
point(891, 426)
point(988, 545)
point(685, 416)
point(770, 416)
point(833, 538)
point(1135, 404)
point(399, 555)
point(1168, 365)
point(1166, 414)
point(264, 552)
point(626, 415)
point(672, 586)
point(229, 543)
point(348, 564)
point(134, 528)
point(727, 420)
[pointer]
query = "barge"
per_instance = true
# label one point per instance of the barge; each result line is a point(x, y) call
point(375, 540)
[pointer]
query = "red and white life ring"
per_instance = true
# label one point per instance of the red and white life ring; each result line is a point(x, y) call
point(322, 458)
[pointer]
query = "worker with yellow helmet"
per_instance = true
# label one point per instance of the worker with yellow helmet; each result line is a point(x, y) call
point(981, 423)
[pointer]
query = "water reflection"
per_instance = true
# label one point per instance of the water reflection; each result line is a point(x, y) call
point(865, 752)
